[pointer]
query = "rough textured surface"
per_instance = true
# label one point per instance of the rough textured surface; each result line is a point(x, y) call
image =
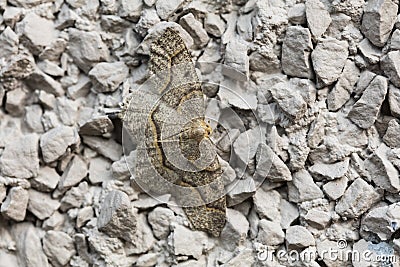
point(304, 113)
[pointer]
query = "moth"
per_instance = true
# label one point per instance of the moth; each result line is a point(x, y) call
point(174, 152)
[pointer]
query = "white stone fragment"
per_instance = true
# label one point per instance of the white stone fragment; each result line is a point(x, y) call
point(382, 221)
point(55, 142)
point(183, 236)
point(268, 204)
point(269, 165)
point(369, 51)
point(365, 111)
point(20, 157)
point(378, 20)
point(391, 66)
point(297, 14)
point(9, 43)
point(75, 197)
point(166, 8)
point(235, 231)
point(81, 48)
point(289, 100)
point(59, 247)
point(391, 137)
point(28, 245)
point(109, 148)
point(289, 213)
point(14, 207)
point(236, 58)
point(299, 237)
point(336, 188)
point(106, 77)
point(296, 51)
point(330, 171)
point(214, 25)
point(130, 9)
point(380, 170)
point(195, 29)
point(117, 216)
point(160, 220)
point(270, 233)
point(99, 170)
point(329, 58)
point(357, 199)
point(340, 94)
point(318, 17)
point(143, 240)
point(394, 100)
point(41, 204)
point(74, 173)
point(84, 215)
point(302, 187)
point(318, 218)
point(16, 101)
point(37, 32)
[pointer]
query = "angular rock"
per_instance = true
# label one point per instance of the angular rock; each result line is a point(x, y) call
point(28, 245)
point(106, 77)
point(391, 67)
point(235, 231)
point(74, 173)
point(268, 204)
point(195, 29)
point(99, 170)
point(318, 218)
point(67, 110)
point(330, 171)
point(148, 19)
point(329, 58)
point(47, 100)
point(74, 197)
point(236, 57)
point(165, 9)
point(41, 204)
point(149, 259)
point(37, 32)
point(336, 188)
point(369, 51)
point(380, 170)
point(33, 115)
point(391, 137)
point(296, 50)
point(183, 236)
point(50, 68)
point(109, 148)
point(270, 233)
point(97, 126)
point(20, 158)
point(9, 43)
point(55, 142)
point(378, 20)
point(14, 207)
point(297, 14)
point(395, 40)
point(269, 165)
point(130, 9)
point(340, 94)
point(299, 237)
point(84, 215)
point(289, 213)
point(38, 80)
point(357, 199)
point(245, 257)
point(365, 111)
point(16, 101)
point(214, 25)
point(143, 240)
point(394, 100)
point(289, 100)
point(46, 180)
point(382, 221)
point(59, 247)
point(81, 88)
point(318, 17)
point(117, 216)
point(160, 220)
point(121, 169)
point(302, 188)
point(81, 49)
